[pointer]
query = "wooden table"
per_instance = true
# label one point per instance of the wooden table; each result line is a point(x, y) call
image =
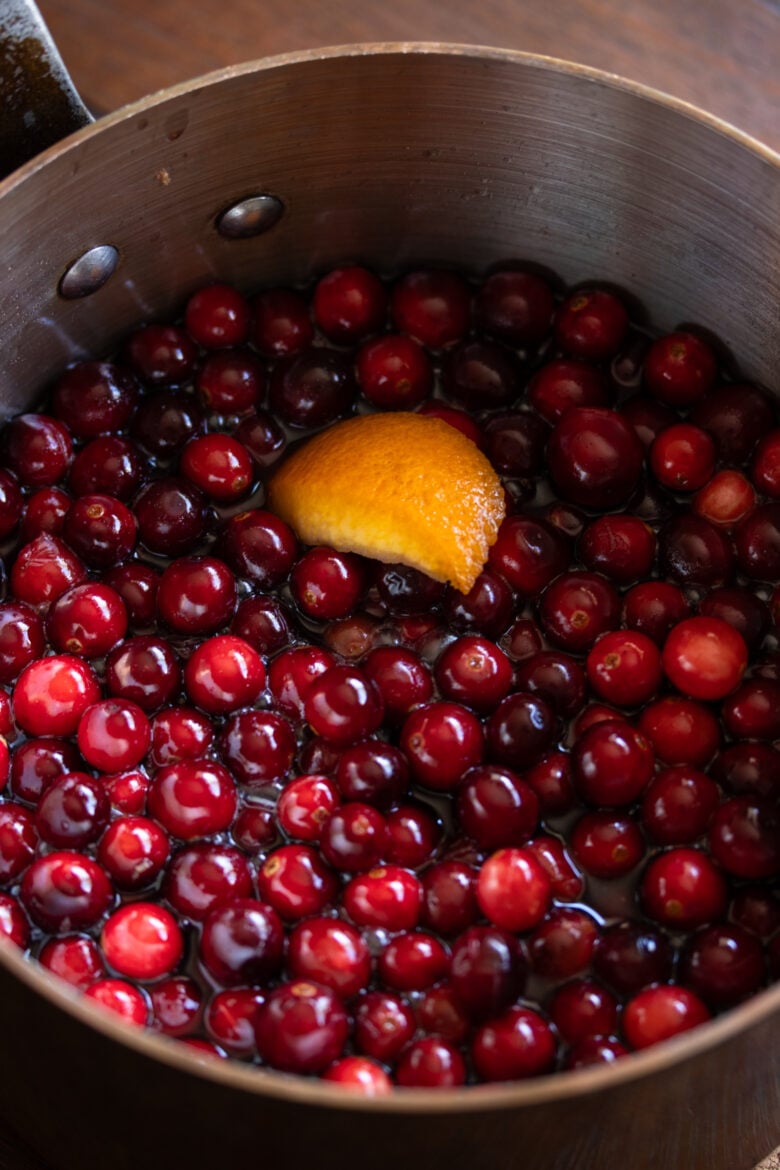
point(717, 54)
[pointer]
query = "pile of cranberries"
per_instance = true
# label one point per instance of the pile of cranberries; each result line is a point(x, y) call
point(328, 815)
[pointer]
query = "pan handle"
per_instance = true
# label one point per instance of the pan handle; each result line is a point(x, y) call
point(38, 101)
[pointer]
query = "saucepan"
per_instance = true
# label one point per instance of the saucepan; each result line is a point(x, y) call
point(263, 173)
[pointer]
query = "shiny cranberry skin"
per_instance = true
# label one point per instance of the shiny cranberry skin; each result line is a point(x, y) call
point(44, 569)
point(18, 841)
point(432, 306)
point(219, 465)
point(753, 710)
point(487, 970)
point(595, 1050)
point(13, 922)
point(607, 844)
point(109, 465)
point(133, 851)
point(73, 811)
point(142, 941)
point(582, 1010)
point(737, 416)
point(692, 551)
point(231, 383)
point(259, 546)
point(678, 805)
point(487, 607)
point(254, 829)
point(624, 667)
point(176, 1005)
point(297, 882)
point(577, 607)
point(374, 772)
point(679, 369)
point(401, 677)
point(725, 499)
point(394, 372)
point(515, 306)
point(744, 768)
point(127, 791)
point(723, 965)
point(480, 375)
point(217, 316)
point(343, 705)
point(630, 955)
point(21, 639)
point(305, 806)
point(262, 437)
point(745, 837)
point(620, 547)
point(591, 324)
point(331, 953)
point(555, 677)
point(473, 671)
point(565, 881)
point(114, 735)
point(595, 458)
point(205, 875)
point(757, 541)
point(384, 1025)
point(101, 530)
point(179, 733)
point(496, 807)
point(165, 421)
point(757, 910)
point(740, 608)
point(658, 1013)
point(312, 388)
point(65, 891)
point(682, 889)
point(196, 595)
point(357, 1074)
point(349, 304)
point(529, 553)
point(520, 730)
point(302, 1027)
point(163, 355)
point(449, 893)
point(36, 763)
point(354, 837)
point(513, 890)
point(439, 1012)
point(413, 835)
point(171, 515)
point(262, 622)
point(51, 694)
point(242, 942)
point(327, 584)
point(120, 998)
point(193, 798)
point(765, 468)
point(231, 1018)
point(654, 607)
point(516, 1045)
point(224, 673)
point(522, 640)
point(37, 449)
point(11, 503)
point(388, 897)
point(280, 323)
point(76, 960)
point(92, 398)
point(454, 417)
point(144, 670)
point(562, 944)
point(291, 674)
point(563, 383)
point(430, 1063)
point(705, 657)
point(258, 747)
point(136, 584)
point(681, 731)
point(441, 741)
point(45, 512)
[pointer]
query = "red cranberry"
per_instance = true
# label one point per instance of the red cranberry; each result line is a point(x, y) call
point(37, 449)
point(725, 499)
point(739, 608)
point(745, 837)
point(219, 465)
point(36, 763)
point(624, 667)
point(114, 735)
point(179, 733)
point(487, 606)
point(557, 678)
point(101, 530)
point(432, 306)
point(480, 374)
point(595, 1050)
point(231, 383)
point(753, 710)
point(224, 673)
point(595, 457)
point(765, 469)
point(658, 1013)
point(516, 306)
point(193, 798)
point(682, 889)
point(291, 674)
point(13, 922)
point(756, 910)
point(591, 323)
point(127, 791)
point(357, 1074)
point(723, 965)
point(262, 437)
point(513, 890)
point(516, 1045)
point(694, 552)
point(171, 515)
point(401, 677)
point(473, 671)
point(354, 837)
point(343, 705)
point(137, 586)
point(565, 881)
point(162, 355)
point(582, 1010)
point(384, 1025)
point(109, 465)
point(242, 942)
point(737, 416)
point(349, 304)
point(681, 731)
point(165, 421)
point(204, 876)
point(327, 584)
point(305, 806)
point(388, 897)
point(18, 842)
point(577, 607)
point(65, 891)
point(45, 569)
point(254, 829)
point(496, 807)
point(144, 670)
point(394, 372)
point(441, 741)
point(297, 882)
point(374, 772)
point(231, 1018)
point(45, 512)
point(620, 547)
point(87, 620)
point(21, 639)
point(75, 959)
point(439, 1012)
point(430, 1063)
point(302, 1027)
point(94, 397)
point(133, 851)
point(120, 998)
point(454, 417)
point(142, 941)
point(752, 768)
point(679, 804)
point(522, 640)
point(607, 844)
point(705, 657)
point(280, 323)
point(449, 892)
point(176, 1005)
point(259, 546)
point(630, 955)
point(196, 595)
point(562, 944)
point(563, 383)
point(52, 694)
point(654, 607)
point(11, 503)
point(73, 811)
point(217, 316)
point(413, 836)
point(757, 541)
point(263, 623)
point(331, 953)
point(679, 369)
point(529, 553)
point(413, 961)
point(405, 590)
point(312, 388)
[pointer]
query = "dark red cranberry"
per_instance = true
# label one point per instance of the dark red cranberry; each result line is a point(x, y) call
point(630, 955)
point(374, 772)
point(658, 1013)
point(142, 941)
point(439, 1012)
point(75, 959)
point(516, 1045)
point(513, 890)
point(312, 388)
point(765, 468)
point(13, 921)
point(242, 942)
point(18, 841)
point(231, 1019)
point(556, 678)
point(679, 804)
point(388, 897)
point(45, 512)
point(413, 961)
point(259, 546)
point(551, 780)
point(109, 465)
point(354, 837)
point(394, 372)
point(454, 417)
point(582, 1010)
point(577, 607)
point(65, 891)
point(137, 586)
point(624, 667)
point(349, 304)
point(405, 590)
point(516, 306)
point(522, 640)
point(217, 316)
point(401, 677)
point(647, 417)
point(302, 1027)
point(196, 595)
point(280, 323)
point(413, 835)
point(591, 323)
point(705, 657)
point(44, 569)
point(742, 610)
point(681, 731)
point(36, 763)
point(753, 710)
point(607, 844)
point(441, 741)
point(101, 530)
point(343, 705)
point(171, 515)
point(133, 851)
point(162, 355)
point(529, 553)
point(291, 674)
point(92, 398)
point(594, 713)
point(682, 889)
point(723, 965)
point(748, 768)
point(745, 837)
point(357, 1074)
point(21, 639)
point(595, 1050)
point(37, 449)
point(331, 953)
point(262, 437)
point(520, 730)
point(224, 673)
point(72, 812)
point(496, 807)
point(384, 1025)
point(165, 421)
point(193, 798)
point(654, 607)
point(757, 910)
point(231, 383)
point(145, 670)
point(11, 503)
point(595, 458)
point(757, 541)
point(473, 671)
point(679, 369)
point(564, 383)
point(262, 622)
point(737, 416)
point(480, 375)
point(258, 747)
point(487, 607)
point(254, 829)
point(515, 444)
point(297, 882)
point(620, 547)
point(450, 901)
point(219, 465)
point(327, 584)
point(562, 944)
point(432, 306)
point(51, 695)
point(204, 876)
point(430, 1063)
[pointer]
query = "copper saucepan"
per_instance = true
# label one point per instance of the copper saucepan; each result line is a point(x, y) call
point(263, 173)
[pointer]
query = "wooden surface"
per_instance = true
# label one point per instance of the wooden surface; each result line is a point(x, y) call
point(718, 54)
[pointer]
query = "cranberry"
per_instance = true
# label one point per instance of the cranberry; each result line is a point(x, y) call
point(263, 623)
point(765, 469)
point(401, 677)
point(11, 503)
point(473, 671)
point(120, 998)
point(630, 955)
point(280, 323)
point(757, 541)
point(658, 1013)
point(297, 882)
point(331, 953)
point(555, 677)
point(144, 670)
point(756, 910)
point(694, 552)
point(723, 965)
point(413, 961)
point(565, 881)
point(171, 515)
point(441, 741)
point(432, 306)
point(522, 640)
point(205, 875)
point(101, 530)
point(21, 639)
point(262, 437)
point(75, 959)
point(73, 811)
point(518, 1044)
point(254, 829)
point(748, 768)
point(737, 416)
point(176, 1005)
point(681, 731)
point(577, 607)
point(13, 922)
point(127, 791)
point(302, 1027)
point(37, 449)
point(454, 417)
point(114, 735)
point(259, 546)
point(654, 607)
point(607, 844)
point(725, 499)
point(36, 763)
point(562, 943)
point(224, 673)
point(165, 421)
point(292, 673)
point(583, 1010)
point(624, 667)
point(529, 553)
point(217, 316)
point(343, 705)
point(705, 657)
point(231, 1018)
point(142, 941)
point(513, 890)
point(679, 369)
point(354, 837)
point(496, 807)
point(133, 851)
point(18, 842)
point(739, 608)
point(52, 694)
point(193, 798)
point(136, 585)
point(620, 547)
point(45, 569)
point(388, 897)
point(65, 891)
point(430, 1063)
point(678, 805)
point(384, 1025)
point(595, 1050)
point(242, 942)
point(449, 892)
point(327, 584)
point(312, 388)
point(196, 595)
point(349, 304)
point(682, 889)
point(745, 837)
point(394, 372)
point(45, 512)
point(487, 606)
point(481, 374)
point(231, 383)
point(591, 323)
point(439, 1012)
point(516, 306)
point(372, 771)
point(94, 397)
point(753, 710)
point(179, 733)
point(357, 1074)
point(219, 465)
point(162, 355)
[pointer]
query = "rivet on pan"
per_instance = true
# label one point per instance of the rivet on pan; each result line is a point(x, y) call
point(249, 217)
point(89, 273)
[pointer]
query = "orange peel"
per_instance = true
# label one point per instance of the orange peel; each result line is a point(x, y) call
point(398, 487)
